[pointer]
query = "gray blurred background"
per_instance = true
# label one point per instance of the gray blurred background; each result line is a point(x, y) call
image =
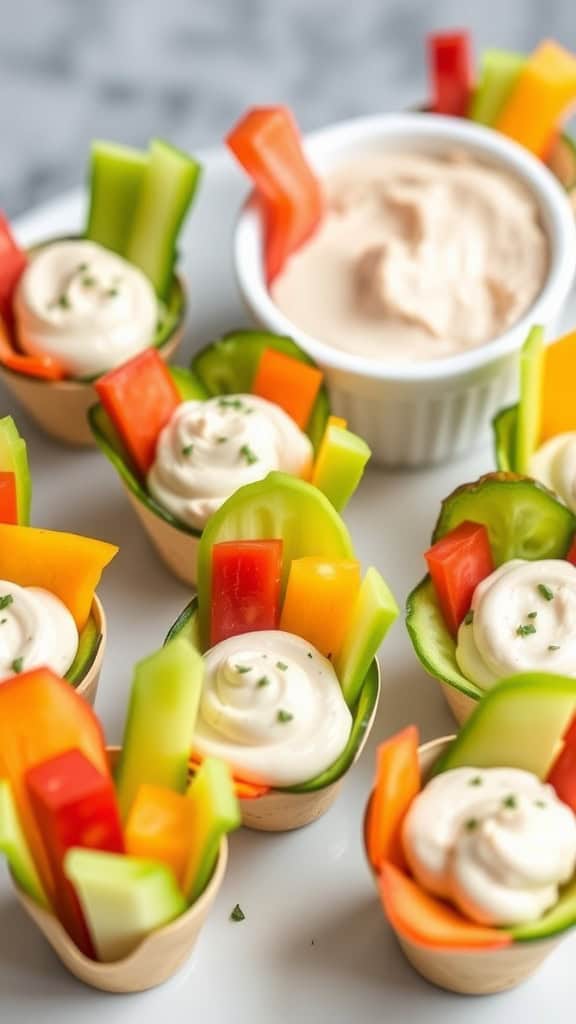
point(71, 70)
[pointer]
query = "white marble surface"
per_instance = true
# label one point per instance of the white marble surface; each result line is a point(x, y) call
point(71, 70)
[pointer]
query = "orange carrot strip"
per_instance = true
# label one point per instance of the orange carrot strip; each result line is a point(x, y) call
point(289, 383)
point(44, 367)
point(397, 783)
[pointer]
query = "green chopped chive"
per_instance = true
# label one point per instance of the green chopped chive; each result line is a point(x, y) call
point(63, 302)
point(88, 281)
point(545, 591)
point(221, 440)
point(281, 665)
point(2, 621)
point(237, 914)
point(248, 454)
point(188, 449)
point(532, 615)
point(243, 668)
point(525, 630)
point(82, 267)
point(475, 781)
point(471, 824)
point(510, 802)
point(284, 716)
point(469, 617)
point(17, 665)
point(540, 803)
point(6, 601)
point(263, 681)
point(112, 293)
point(230, 403)
point(310, 655)
point(553, 647)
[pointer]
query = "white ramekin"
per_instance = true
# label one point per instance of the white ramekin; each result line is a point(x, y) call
point(420, 413)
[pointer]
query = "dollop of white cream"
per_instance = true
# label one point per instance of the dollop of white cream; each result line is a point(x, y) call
point(554, 464)
point(36, 630)
point(497, 842)
point(272, 708)
point(523, 619)
point(210, 449)
point(85, 306)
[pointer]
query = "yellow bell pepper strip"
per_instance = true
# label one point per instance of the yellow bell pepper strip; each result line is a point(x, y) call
point(123, 899)
point(66, 564)
point(545, 89)
point(340, 464)
point(320, 597)
point(15, 848)
point(289, 383)
point(160, 826)
point(558, 376)
point(499, 73)
point(337, 421)
point(244, 790)
point(374, 611)
point(160, 722)
point(397, 784)
point(216, 812)
point(41, 716)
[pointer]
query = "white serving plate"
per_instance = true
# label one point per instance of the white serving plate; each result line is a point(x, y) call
point(314, 946)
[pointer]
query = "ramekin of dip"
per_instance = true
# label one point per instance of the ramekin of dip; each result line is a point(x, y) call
point(442, 243)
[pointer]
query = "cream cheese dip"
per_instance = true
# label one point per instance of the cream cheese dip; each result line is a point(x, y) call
point(418, 257)
point(36, 630)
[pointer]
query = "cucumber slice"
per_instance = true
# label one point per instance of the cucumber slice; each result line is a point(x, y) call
point(432, 641)
point(160, 721)
point(15, 848)
point(228, 367)
point(524, 519)
point(373, 614)
point(116, 176)
point(216, 812)
point(499, 73)
point(167, 191)
point(109, 442)
point(504, 426)
point(530, 405)
point(519, 724)
point(88, 646)
point(562, 161)
point(340, 465)
point(279, 506)
point(14, 459)
point(187, 625)
point(558, 919)
point(123, 898)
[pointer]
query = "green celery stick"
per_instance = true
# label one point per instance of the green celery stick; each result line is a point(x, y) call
point(499, 73)
point(116, 176)
point(530, 404)
point(373, 614)
point(161, 721)
point(14, 459)
point(123, 898)
point(340, 465)
point(168, 189)
point(15, 848)
point(216, 812)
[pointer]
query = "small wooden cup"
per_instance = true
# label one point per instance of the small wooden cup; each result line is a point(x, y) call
point(177, 548)
point(469, 972)
point(157, 957)
point(88, 687)
point(459, 703)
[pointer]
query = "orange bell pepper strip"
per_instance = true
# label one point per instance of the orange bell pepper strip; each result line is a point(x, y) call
point(397, 784)
point(320, 597)
point(558, 408)
point(41, 716)
point(545, 90)
point(267, 144)
point(8, 498)
point(44, 367)
point(421, 918)
point(68, 565)
point(289, 383)
point(244, 790)
point(160, 826)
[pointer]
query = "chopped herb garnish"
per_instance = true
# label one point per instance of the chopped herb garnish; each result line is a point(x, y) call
point(540, 803)
point(237, 914)
point(525, 630)
point(221, 440)
point(230, 403)
point(263, 681)
point(88, 281)
point(476, 780)
point(82, 267)
point(188, 449)
point(63, 302)
point(284, 716)
point(510, 802)
point(310, 655)
point(243, 668)
point(469, 617)
point(281, 665)
point(545, 591)
point(248, 454)
point(553, 647)
point(6, 601)
point(17, 665)
point(112, 293)
point(532, 615)
point(2, 621)
point(471, 824)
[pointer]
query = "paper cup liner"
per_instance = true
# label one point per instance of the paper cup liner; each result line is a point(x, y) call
point(177, 549)
point(459, 703)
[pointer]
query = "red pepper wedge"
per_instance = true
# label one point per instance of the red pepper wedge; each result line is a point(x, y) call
point(450, 72)
point(571, 555)
point(562, 775)
point(74, 805)
point(246, 577)
point(140, 397)
point(13, 261)
point(267, 144)
point(8, 499)
point(457, 564)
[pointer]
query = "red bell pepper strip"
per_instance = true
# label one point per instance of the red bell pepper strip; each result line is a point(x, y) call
point(246, 577)
point(562, 775)
point(289, 383)
point(457, 564)
point(8, 499)
point(13, 260)
point(571, 556)
point(450, 72)
point(74, 806)
point(140, 397)
point(267, 144)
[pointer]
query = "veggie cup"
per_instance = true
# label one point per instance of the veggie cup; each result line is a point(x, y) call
point(227, 367)
point(482, 525)
point(444, 946)
point(290, 519)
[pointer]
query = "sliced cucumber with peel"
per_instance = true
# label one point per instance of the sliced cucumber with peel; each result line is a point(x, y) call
point(374, 612)
point(88, 646)
point(116, 176)
point(433, 641)
point(505, 425)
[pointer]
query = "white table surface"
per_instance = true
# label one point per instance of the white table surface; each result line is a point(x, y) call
point(314, 946)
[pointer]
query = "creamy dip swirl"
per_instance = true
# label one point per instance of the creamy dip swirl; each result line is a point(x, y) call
point(272, 708)
point(210, 449)
point(419, 256)
point(522, 619)
point(554, 464)
point(85, 306)
point(497, 842)
point(36, 629)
